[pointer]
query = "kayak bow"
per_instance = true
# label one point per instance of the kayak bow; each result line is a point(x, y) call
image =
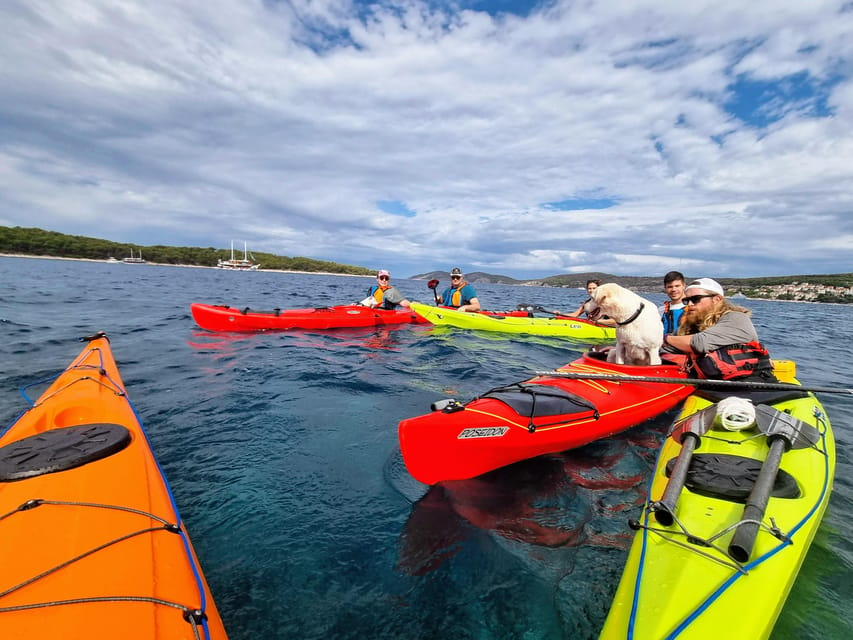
point(91, 542)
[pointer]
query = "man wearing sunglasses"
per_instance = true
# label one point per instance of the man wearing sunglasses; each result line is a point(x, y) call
point(382, 295)
point(718, 337)
point(460, 295)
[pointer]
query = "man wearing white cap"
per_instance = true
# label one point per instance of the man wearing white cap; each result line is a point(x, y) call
point(382, 295)
point(718, 336)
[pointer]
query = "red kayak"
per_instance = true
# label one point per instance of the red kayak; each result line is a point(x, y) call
point(225, 318)
point(545, 414)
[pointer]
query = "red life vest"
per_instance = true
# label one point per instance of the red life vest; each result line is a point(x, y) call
point(734, 361)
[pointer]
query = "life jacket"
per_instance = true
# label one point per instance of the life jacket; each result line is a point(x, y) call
point(734, 361)
point(378, 293)
point(456, 296)
point(670, 318)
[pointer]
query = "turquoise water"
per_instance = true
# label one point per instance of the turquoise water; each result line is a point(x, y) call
point(281, 450)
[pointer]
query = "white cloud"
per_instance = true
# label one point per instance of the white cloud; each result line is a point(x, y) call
point(286, 123)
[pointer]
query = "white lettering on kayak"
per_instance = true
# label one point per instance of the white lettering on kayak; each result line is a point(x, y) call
point(482, 432)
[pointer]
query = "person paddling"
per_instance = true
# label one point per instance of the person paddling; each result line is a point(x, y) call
point(718, 337)
point(459, 295)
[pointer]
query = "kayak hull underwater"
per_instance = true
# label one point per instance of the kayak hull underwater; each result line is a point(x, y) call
point(456, 441)
point(576, 328)
point(688, 575)
point(91, 543)
point(224, 318)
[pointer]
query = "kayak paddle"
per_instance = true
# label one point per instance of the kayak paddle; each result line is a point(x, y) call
point(526, 306)
point(692, 428)
point(783, 432)
point(700, 383)
point(432, 284)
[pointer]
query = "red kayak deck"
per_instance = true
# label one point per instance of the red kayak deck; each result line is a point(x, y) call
point(223, 318)
point(545, 414)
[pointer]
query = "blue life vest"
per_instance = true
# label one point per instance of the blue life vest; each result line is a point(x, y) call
point(670, 318)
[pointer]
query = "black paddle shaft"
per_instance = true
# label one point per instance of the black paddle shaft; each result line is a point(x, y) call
point(743, 540)
point(691, 429)
point(664, 508)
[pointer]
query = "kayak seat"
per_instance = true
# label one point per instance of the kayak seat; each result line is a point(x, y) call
point(60, 449)
point(536, 400)
point(599, 352)
point(730, 477)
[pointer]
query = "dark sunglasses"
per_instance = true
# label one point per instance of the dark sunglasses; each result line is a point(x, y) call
point(455, 277)
point(695, 299)
point(383, 277)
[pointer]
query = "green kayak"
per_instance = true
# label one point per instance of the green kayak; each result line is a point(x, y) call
point(564, 327)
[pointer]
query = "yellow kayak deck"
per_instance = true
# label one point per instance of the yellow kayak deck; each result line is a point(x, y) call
point(681, 580)
point(564, 327)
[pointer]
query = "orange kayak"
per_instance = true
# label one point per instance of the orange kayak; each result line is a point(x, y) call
point(91, 542)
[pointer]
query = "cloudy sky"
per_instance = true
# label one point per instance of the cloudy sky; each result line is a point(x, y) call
point(509, 136)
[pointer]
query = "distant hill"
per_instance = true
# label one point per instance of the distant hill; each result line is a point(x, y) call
point(567, 281)
point(816, 287)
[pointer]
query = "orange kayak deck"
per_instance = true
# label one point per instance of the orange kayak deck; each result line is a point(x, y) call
point(91, 542)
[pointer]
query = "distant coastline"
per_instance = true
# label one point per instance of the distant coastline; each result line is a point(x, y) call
point(182, 266)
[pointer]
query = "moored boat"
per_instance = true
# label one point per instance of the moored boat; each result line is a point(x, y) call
point(91, 542)
point(238, 264)
point(523, 323)
point(132, 259)
point(733, 508)
point(544, 414)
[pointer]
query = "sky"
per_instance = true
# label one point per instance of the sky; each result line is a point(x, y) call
point(521, 138)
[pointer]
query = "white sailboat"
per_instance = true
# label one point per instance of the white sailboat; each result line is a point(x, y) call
point(237, 264)
point(134, 259)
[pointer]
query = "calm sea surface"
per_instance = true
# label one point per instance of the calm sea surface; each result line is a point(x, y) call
point(282, 452)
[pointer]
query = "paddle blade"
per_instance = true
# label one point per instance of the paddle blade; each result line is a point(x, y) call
point(432, 284)
point(697, 423)
point(795, 432)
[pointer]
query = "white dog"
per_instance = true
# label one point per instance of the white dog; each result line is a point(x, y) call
point(639, 329)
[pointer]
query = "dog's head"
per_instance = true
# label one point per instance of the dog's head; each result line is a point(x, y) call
point(608, 299)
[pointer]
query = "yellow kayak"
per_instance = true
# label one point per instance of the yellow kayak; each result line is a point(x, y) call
point(734, 504)
point(564, 327)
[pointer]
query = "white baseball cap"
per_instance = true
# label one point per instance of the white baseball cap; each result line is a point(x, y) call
point(707, 284)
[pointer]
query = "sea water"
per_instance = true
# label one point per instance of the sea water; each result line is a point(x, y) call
point(281, 450)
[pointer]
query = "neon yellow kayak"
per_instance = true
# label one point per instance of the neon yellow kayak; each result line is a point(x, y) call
point(717, 556)
point(564, 327)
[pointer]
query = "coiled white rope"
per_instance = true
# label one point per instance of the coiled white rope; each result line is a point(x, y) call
point(735, 414)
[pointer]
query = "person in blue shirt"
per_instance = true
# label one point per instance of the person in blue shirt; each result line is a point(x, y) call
point(671, 310)
point(460, 295)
